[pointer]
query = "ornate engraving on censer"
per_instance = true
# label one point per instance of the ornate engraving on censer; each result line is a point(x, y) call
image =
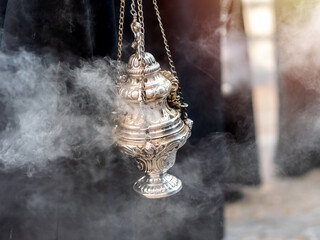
point(149, 126)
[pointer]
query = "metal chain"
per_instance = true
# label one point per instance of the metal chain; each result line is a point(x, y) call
point(141, 21)
point(183, 105)
point(142, 88)
point(120, 36)
point(142, 50)
point(165, 41)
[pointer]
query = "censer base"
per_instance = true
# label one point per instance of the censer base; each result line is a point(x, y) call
point(157, 186)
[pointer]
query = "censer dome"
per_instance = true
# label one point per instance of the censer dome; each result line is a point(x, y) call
point(134, 66)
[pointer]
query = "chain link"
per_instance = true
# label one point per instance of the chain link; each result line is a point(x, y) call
point(133, 8)
point(120, 36)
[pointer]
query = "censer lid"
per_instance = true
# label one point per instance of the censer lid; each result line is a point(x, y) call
point(135, 66)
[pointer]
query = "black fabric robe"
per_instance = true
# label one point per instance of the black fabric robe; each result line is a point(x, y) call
point(82, 28)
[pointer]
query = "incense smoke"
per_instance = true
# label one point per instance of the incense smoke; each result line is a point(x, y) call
point(56, 126)
point(52, 111)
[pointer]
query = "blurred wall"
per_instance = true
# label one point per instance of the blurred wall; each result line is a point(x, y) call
point(297, 23)
point(242, 167)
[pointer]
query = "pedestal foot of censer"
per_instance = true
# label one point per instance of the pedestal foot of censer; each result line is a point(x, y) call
point(157, 186)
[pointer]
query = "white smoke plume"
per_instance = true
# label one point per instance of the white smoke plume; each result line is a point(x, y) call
point(50, 111)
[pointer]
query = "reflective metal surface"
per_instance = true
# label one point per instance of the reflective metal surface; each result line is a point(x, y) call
point(149, 125)
point(151, 133)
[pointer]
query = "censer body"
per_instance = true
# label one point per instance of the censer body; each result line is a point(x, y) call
point(149, 127)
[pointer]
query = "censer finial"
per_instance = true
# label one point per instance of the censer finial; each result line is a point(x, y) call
point(154, 125)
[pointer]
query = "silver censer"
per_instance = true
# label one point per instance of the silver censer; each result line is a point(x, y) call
point(149, 124)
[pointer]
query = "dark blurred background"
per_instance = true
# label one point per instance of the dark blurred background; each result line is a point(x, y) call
point(247, 69)
point(89, 193)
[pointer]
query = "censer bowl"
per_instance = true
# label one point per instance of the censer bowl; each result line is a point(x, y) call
point(155, 158)
point(159, 184)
